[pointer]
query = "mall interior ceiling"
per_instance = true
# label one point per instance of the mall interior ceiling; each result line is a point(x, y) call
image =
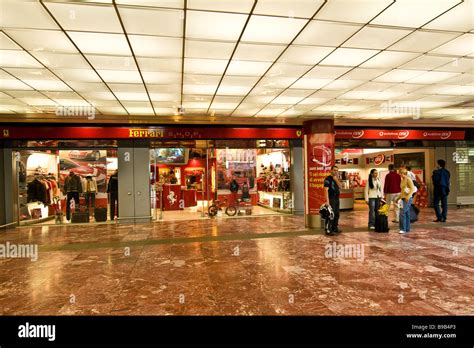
point(367, 62)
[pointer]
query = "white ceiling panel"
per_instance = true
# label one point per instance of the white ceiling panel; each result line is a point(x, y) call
point(39, 101)
point(286, 100)
point(120, 76)
point(61, 60)
point(389, 59)
point(153, 3)
point(254, 52)
point(432, 77)
point(12, 84)
point(326, 33)
point(460, 18)
point(233, 90)
point(197, 98)
point(112, 110)
point(246, 68)
point(460, 46)
point(314, 101)
point(17, 59)
point(164, 22)
point(462, 79)
point(167, 89)
point(342, 84)
point(195, 79)
point(239, 6)
point(102, 62)
point(99, 96)
point(309, 55)
point(311, 83)
point(426, 62)
point(272, 29)
point(364, 74)
point(25, 14)
point(214, 26)
point(7, 44)
point(260, 100)
point(288, 70)
point(288, 8)
point(43, 40)
point(399, 75)
point(327, 72)
point(160, 64)
point(31, 74)
point(127, 87)
point(345, 11)
point(277, 82)
point(204, 66)
point(166, 78)
point(99, 43)
point(156, 46)
point(375, 37)
point(348, 57)
point(458, 65)
point(47, 85)
point(208, 49)
point(413, 14)
point(140, 111)
point(88, 87)
point(200, 89)
point(83, 17)
point(422, 41)
point(130, 96)
point(196, 105)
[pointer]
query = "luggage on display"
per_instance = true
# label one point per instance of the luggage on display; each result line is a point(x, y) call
point(100, 214)
point(414, 211)
point(80, 217)
point(381, 223)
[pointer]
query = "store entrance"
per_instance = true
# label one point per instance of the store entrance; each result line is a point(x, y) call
point(356, 164)
point(60, 186)
point(209, 180)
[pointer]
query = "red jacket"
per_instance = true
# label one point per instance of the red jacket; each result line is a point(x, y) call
point(392, 183)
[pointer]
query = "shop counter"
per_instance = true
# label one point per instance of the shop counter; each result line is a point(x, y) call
point(346, 199)
point(189, 198)
point(171, 197)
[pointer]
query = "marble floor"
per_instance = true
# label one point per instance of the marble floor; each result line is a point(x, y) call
point(268, 265)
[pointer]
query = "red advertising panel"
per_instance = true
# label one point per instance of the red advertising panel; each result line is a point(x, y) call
point(319, 158)
point(399, 134)
point(39, 132)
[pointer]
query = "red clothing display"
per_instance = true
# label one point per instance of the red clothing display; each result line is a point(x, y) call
point(392, 183)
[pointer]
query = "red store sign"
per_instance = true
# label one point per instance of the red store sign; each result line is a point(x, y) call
point(399, 134)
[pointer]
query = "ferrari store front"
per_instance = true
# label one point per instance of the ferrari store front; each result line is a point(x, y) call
point(67, 175)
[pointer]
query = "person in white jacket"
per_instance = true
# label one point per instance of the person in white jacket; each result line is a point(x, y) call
point(373, 194)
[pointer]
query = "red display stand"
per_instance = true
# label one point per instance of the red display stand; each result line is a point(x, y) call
point(189, 197)
point(171, 197)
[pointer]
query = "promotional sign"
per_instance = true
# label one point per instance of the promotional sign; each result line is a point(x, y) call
point(39, 132)
point(379, 159)
point(319, 159)
point(400, 134)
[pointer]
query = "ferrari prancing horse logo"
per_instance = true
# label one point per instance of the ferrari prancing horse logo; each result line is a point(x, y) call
point(298, 133)
point(6, 133)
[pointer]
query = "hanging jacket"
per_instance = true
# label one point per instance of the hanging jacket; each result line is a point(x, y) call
point(73, 184)
point(92, 187)
point(36, 192)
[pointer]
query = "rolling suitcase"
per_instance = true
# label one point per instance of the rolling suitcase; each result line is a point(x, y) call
point(80, 217)
point(100, 214)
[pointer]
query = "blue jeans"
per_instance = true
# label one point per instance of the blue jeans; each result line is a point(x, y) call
point(437, 197)
point(405, 215)
point(373, 207)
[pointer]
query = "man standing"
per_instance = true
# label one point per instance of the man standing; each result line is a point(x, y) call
point(72, 189)
point(112, 190)
point(391, 189)
point(441, 187)
point(332, 189)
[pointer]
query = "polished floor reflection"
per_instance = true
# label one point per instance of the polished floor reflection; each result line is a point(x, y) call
point(268, 265)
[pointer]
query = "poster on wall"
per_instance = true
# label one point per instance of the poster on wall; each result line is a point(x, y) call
point(320, 159)
point(414, 159)
point(238, 163)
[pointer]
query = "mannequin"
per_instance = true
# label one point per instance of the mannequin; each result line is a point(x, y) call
point(89, 187)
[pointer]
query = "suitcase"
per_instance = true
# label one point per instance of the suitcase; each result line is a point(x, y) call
point(381, 223)
point(80, 217)
point(100, 214)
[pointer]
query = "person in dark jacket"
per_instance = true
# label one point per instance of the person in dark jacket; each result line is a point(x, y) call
point(112, 190)
point(441, 187)
point(332, 189)
point(72, 189)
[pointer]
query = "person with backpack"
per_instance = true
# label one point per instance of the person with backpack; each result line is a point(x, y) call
point(441, 188)
point(332, 189)
point(234, 189)
point(373, 194)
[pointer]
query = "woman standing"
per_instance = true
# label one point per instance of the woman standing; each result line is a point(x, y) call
point(373, 194)
point(407, 190)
